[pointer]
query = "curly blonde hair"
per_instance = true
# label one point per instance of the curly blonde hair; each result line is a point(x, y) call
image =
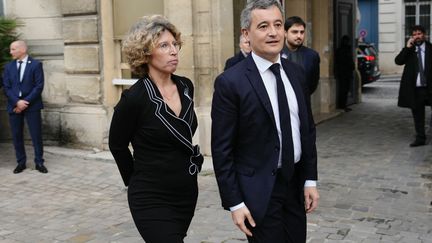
point(141, 40)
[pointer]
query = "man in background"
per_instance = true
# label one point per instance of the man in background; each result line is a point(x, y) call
point(242, 54)
point(295, 51)
point(23, 81)
point(415, 90)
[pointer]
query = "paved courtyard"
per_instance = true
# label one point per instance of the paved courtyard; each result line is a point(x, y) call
point(373, 186)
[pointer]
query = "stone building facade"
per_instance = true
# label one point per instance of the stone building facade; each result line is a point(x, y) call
point(79, 44)
point(395, 20)
point(390, 34)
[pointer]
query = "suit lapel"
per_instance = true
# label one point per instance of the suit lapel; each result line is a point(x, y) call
point(254, 78)
point(179, 127)
point(427, 58)
point(240, 56)
point(14, 70)
point(27, 68)
point(298, 90)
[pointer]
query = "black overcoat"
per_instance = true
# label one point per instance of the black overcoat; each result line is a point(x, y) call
point(408, 57)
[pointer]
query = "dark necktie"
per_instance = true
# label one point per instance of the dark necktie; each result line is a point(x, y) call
point(285, 125)
point(420, 66)
point(19, 70)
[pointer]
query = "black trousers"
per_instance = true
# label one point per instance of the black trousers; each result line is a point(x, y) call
point(344, 83)
point(418, 112)
point(285, 219)
point(34, 124)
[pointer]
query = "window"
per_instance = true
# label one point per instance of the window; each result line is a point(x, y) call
point(125, 15)
point(417, 12)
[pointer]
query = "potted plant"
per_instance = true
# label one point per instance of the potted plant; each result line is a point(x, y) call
point(8, 34)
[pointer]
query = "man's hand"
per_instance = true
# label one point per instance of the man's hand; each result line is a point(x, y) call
point(22, 105)
point(17, 110)
point(239, 216)
point(311, 198)
point(410, 42)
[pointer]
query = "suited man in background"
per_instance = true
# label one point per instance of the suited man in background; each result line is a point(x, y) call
point(263, 138)
point(241, 55)
point(23, 81)
point(415, 90)
point(295, 51)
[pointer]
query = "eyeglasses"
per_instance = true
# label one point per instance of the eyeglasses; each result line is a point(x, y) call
point(166, 47)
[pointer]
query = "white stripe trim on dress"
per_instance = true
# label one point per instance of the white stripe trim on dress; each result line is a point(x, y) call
point(193, 168)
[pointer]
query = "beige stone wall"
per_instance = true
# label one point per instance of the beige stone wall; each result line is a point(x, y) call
point(212, 38)
point(391, 35)
point(322, 32)
point(207, 29)
point(65, 36)
point(80, 29)
point(84, 117)
point(41, 30)
point(78, 44)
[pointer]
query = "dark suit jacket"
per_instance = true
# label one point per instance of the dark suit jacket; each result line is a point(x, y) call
point(234, 60)
point(311, 65)
point(31, 86)
point(408, 57)
point(245, 143)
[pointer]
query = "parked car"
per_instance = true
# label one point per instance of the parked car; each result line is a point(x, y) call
point(368, 63)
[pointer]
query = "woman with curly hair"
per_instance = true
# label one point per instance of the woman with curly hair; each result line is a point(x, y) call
point(156, 115)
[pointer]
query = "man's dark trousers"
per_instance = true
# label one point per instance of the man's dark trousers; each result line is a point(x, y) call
point(285, 207)
point(421, 100)
point(33, 119)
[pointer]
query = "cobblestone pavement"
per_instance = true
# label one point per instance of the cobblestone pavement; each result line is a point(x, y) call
point(373, 186)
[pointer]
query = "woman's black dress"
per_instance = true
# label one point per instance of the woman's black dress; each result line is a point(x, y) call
point(162, 173)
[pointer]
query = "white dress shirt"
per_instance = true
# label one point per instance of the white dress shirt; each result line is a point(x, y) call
point(269, 79)
point(23, 66)
point(422, 51)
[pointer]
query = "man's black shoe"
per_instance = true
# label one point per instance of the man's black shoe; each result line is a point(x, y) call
point(417, 143)
point(19, 168)
point(41, 169)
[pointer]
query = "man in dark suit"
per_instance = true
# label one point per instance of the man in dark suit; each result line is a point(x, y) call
point(295, 51)
point(23, 81)
point(263, 135)
point(415, 90)
point(241, 55)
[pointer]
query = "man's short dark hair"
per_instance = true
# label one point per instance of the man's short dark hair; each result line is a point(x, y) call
point(418, 28)
point(245, 16)
point(289, 22)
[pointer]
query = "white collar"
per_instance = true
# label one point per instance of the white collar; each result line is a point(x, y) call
point(263, 64)
point(24, 60)
point(422, 46)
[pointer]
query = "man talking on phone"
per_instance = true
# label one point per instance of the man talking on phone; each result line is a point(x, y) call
point(415, 90)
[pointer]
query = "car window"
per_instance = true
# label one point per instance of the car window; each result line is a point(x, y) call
point(372, 51)
point(367, 50)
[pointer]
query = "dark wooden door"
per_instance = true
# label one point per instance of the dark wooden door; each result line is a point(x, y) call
point(344, 24)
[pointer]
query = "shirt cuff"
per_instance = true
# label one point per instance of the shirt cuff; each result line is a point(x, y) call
point(310, 183)
point(232, 209)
